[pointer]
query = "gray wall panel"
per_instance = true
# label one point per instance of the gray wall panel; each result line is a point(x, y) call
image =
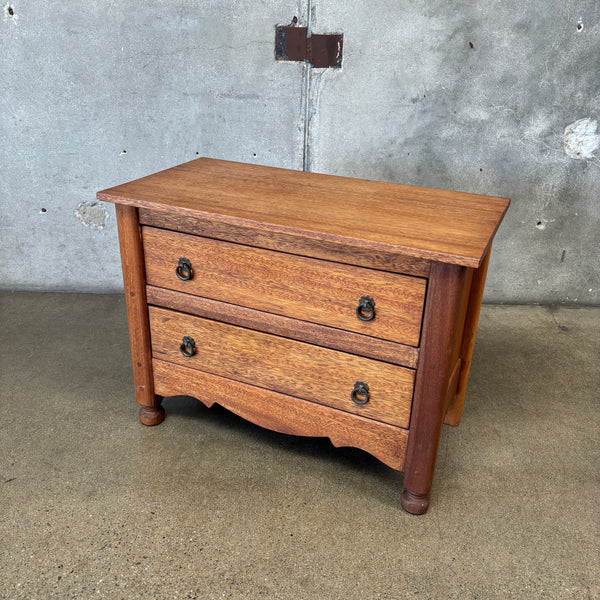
point(476, 97)
point(99, 93)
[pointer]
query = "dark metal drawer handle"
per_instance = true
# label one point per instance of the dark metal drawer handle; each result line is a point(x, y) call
point(188, 346)
point(360, 393)
point(365, 310)
point(184, 269)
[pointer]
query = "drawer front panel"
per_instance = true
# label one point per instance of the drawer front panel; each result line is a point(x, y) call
point(309, 372)
point(303, 288)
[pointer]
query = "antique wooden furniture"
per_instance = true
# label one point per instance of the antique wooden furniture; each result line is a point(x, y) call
point(309, 304)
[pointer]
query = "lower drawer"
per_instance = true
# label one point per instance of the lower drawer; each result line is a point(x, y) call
point(285, 414)
point(321, 375)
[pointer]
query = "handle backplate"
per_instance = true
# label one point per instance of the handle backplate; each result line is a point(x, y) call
point(360, 393)
point(184, 269)
point(188, 346)
point(365, 310)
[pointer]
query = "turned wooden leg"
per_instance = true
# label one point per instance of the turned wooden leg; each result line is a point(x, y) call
point(415, 504)
point(152, 415)
point(132, 260)
point(444, 315)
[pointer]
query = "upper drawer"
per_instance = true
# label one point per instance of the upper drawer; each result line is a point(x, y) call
point(303, 288)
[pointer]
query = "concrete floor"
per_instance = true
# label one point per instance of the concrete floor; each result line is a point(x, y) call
point(94, 505)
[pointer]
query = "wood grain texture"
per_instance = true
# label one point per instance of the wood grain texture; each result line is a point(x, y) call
point(312, 333)
point(457, 401)
point(450, 227)
point(294, 286)
point(452, 385)
point(448, 286)
point(283, 413)
point(132, 260)
point(280, 259)
point(286, 242)
point(309, 372)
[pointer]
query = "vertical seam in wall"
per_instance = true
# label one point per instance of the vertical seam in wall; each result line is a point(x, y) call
point(307, 115)
point(306, 92)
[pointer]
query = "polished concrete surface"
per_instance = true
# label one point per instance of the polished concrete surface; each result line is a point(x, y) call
point(95, 505)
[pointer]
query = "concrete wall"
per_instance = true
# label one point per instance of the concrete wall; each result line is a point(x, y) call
point(500, 97)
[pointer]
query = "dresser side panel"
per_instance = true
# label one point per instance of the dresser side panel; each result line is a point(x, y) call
point(457, 399)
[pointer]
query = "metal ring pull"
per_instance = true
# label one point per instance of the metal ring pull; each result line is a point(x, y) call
point(365, 310)
point(188, 346)
point(360, 393)
point(184, 269)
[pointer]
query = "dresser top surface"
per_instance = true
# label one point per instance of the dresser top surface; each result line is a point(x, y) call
point(438, 225)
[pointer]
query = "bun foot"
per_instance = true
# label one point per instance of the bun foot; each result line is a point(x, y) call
point(150, 415)
point(415, 504)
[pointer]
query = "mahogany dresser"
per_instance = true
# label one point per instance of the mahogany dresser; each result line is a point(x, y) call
point(309, 304)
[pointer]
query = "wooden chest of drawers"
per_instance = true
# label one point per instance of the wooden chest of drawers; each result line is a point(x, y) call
point(308, 304)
